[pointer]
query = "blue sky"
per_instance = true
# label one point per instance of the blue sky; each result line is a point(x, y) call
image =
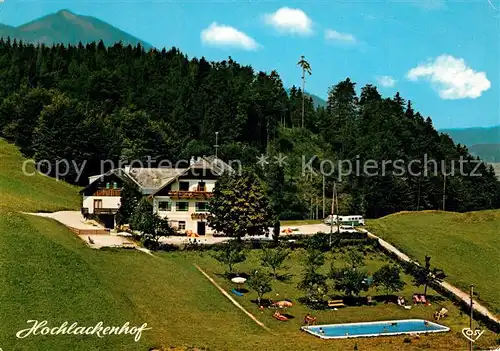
point(443, 55)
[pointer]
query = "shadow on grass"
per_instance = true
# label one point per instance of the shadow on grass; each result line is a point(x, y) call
point(285, 278)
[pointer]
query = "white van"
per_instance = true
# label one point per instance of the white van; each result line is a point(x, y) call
point(354, 220)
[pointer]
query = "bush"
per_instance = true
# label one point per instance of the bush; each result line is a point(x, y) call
point(407, 340)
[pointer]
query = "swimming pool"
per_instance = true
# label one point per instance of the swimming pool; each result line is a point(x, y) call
point(356, 330)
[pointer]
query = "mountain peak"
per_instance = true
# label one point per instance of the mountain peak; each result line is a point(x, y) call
point(66, 13)
point(67, 27)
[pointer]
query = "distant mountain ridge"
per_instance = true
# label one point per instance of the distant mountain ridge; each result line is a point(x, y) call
point(317, 101)
point(481, 141)
point(68, 28)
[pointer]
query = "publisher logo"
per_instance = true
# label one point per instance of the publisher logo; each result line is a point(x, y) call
point(472, 335)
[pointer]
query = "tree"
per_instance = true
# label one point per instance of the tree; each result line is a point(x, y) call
point(274, 258)
point(355, 259)
point(276, 231)
point(388, 278)
point(306, 68)
point(260, 282)
point(151, 226)
point(351, 281)
point(230, 253)
point(239, 206)
point(425, 275)
point(129, 200)
point(313, 283)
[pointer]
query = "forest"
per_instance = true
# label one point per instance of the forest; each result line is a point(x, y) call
point(91, 103)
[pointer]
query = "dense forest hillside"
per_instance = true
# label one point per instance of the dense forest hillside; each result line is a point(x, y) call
point(68, 28)
point(89, 103)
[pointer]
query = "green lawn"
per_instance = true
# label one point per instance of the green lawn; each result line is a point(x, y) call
point(381, 311)
point(466, 246)
point(47, 273)
point(22, 192)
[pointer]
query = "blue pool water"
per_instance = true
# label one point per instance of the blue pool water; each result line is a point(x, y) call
point(353, 330)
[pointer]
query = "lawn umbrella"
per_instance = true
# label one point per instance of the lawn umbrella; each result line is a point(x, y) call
point(239, 280)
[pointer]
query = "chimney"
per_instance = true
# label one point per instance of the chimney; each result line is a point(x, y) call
point(192, 161)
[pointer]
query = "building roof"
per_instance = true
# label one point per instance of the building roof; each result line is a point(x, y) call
point(150, 179)
point(215, 164)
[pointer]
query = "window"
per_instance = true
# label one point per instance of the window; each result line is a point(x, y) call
point(182, 206)
point(164, 206)
point(202, 206)
point(182, 225)
point(184, 186)
point(115, 185)
point(201, 186)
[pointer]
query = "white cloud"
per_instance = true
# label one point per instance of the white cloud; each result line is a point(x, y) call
point(333, 35)
point(452, 78)
point(386, 81)
point(290, 21)
point(226, 36)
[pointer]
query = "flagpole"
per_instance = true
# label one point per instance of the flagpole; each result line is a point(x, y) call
point(331, 219)
point(471, 314)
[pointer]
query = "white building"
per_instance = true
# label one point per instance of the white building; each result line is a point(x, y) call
point(179, 194)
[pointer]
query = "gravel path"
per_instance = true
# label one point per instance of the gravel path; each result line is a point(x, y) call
point(447, 286)
point(70, 219)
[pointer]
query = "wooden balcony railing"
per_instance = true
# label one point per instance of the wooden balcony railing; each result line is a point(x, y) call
point(105, 211)
point(107, 192)
point(190, 194)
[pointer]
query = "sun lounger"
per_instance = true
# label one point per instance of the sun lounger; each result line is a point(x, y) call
point(236, 292)
point(280, 317)
point(419, 298)
point(336, 303)
point(90, 240)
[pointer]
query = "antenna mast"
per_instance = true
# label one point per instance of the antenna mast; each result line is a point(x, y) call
point(216, 143)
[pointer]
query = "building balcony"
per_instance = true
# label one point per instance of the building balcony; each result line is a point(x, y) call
point(190, 194)
point(199, 216)
point(105, 211)
point(107, 192)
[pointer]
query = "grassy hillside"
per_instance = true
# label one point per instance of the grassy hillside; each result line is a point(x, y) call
point(47, 273)
point(465, 245)
point(22, 192)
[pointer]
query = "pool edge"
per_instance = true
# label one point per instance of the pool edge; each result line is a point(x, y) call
point(305, 328)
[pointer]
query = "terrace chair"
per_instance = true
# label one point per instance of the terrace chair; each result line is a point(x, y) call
point(336, 303)
point(441, 313)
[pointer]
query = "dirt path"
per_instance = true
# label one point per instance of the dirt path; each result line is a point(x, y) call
point(447, 286)
point(226, 294)
point(72, 219)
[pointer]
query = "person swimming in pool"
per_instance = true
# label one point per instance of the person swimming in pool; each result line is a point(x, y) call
point(321, 330)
